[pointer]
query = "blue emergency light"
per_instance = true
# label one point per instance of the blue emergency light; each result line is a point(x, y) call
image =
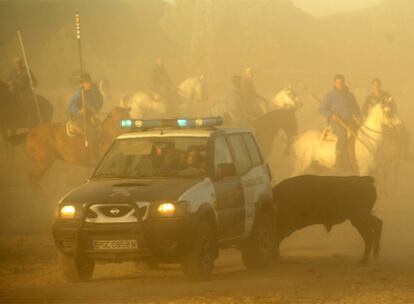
point(171, 123)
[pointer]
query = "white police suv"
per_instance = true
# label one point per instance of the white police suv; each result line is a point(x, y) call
point(170, 191)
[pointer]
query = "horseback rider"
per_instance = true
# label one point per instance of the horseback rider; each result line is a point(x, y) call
point(161, 84)
point(19, 85)
point(87, 94)
point(250, 96)
point(235, 101)
point(378, 95)
point(341, 107)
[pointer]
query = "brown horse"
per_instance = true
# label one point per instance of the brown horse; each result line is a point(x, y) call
point(49, 142)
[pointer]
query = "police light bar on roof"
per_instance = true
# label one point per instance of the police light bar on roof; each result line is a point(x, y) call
point(171, 123)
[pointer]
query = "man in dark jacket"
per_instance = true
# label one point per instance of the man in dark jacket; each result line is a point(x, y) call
point(160, 79)
point(340, 107)
point(250, 96)
point(19, 85)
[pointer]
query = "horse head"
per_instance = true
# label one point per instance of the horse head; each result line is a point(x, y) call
point(383, 115)
point(287, 99)
point(391, 118)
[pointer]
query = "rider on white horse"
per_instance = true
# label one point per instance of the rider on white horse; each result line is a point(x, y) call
point(341, 107)
point(377, 96)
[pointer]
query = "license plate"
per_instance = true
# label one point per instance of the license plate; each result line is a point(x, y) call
point(115, 244)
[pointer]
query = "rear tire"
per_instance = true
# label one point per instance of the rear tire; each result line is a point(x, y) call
point(198, 263)
point(258, 250)
point(76, 268)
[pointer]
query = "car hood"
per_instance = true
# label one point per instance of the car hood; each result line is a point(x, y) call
point(115, 190)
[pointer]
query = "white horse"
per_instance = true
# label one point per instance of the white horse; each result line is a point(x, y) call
point(310, 147)
point(286, 99)
point(143, 105)
point(192, 93)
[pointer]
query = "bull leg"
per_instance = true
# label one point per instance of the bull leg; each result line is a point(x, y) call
point(364, 228)
point(377, 229)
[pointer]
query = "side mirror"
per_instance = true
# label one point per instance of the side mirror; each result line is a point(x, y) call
point(226, 170)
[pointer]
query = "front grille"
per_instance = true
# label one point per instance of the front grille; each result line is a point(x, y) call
point(116, 213)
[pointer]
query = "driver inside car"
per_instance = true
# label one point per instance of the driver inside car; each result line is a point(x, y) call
point(194, 164)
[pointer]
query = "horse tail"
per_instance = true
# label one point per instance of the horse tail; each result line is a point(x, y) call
point(18, 138)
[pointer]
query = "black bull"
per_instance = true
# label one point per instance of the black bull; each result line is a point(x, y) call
point(328, 200)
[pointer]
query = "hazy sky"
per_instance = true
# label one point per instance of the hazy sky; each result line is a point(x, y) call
point(327, 7)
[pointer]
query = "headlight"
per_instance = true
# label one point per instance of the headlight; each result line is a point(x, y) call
point(67, 212)
point(166, 209)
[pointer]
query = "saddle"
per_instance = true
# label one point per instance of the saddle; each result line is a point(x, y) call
point(329, 135)
point(74, 128)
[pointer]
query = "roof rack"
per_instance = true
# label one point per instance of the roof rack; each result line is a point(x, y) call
point(172, 123)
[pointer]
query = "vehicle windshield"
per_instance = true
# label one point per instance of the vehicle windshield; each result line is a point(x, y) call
point(153, 157)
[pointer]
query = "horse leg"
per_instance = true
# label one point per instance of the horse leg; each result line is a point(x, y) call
point(40, 167)
point(377, 229)
point(364, 227)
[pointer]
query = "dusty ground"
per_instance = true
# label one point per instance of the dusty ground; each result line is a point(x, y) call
point(316, 268)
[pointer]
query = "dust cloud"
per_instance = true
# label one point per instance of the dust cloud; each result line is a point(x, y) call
point(283, 44)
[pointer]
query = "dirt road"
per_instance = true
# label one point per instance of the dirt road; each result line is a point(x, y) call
point(309, 273)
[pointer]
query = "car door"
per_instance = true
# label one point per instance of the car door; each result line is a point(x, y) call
point(229, 193)
point(256, 181)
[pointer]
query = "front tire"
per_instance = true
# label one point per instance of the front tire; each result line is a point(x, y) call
point(198, 263)
point(258, 250)
point(76, 268)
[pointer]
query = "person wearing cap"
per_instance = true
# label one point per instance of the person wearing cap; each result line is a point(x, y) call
point(92, 95)
point(250, 96)
point(90, 126)
point(340, 108)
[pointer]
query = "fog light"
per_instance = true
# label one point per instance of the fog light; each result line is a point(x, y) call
point(166, 209)
point(67, 212)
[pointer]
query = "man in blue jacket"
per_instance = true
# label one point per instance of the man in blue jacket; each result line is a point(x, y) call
point(90, 106)
point(340, 107)
point(92, 95)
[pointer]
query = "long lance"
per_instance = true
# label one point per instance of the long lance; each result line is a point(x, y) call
point(29, 74)
point(78, 38)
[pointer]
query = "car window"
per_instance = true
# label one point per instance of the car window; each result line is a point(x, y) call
point(253, 149)
point(155, 157)
point(241, 154)
point(222, 154)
